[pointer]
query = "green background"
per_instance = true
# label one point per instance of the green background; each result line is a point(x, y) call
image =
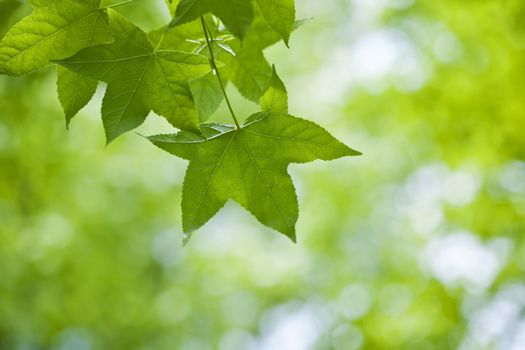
point(418, 244)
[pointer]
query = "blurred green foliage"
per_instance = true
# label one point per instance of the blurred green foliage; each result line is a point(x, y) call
point(416, 245)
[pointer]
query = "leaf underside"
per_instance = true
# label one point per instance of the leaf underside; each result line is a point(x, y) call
point(140, 79)
point(249, 165)
point(235, 14)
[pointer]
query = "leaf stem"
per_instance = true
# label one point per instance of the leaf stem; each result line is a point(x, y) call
point(209, 42)
point(119, 4)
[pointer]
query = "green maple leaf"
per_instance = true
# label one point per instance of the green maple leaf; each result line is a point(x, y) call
point(75, 90)
point(280, 15)
point(248, 69)
point(140, 79)
point(56, 29)
point(248, 165)
point(235, 14)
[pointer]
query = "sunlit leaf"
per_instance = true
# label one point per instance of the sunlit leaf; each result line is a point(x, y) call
point(140, 79)
point(54, 30)
point(249, 165)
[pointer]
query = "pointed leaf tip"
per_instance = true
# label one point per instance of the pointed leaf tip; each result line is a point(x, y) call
point(353, 152)
point(280, 15)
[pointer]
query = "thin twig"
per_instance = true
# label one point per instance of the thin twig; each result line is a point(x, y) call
point(209, 42)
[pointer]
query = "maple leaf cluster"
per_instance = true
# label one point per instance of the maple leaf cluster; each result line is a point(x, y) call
point(180, 73)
